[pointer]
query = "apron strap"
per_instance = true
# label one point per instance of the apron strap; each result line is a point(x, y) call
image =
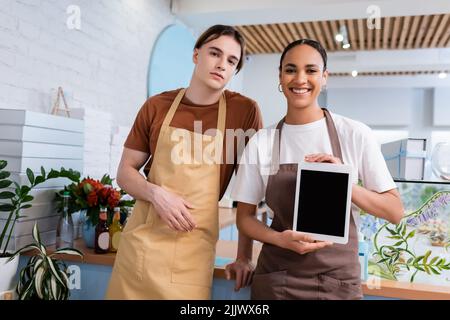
point(221, 113)
point(332, 133)
point(173, 108)
point(221, 117)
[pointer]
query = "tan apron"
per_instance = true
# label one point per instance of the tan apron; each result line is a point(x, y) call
point(329, 273)
point(153, 261)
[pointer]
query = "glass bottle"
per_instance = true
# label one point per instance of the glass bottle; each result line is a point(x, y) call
point(102, 233)
point(115, 230)
point(65, 229)
point(129, 212)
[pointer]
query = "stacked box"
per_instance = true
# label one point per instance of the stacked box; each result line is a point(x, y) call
point(405, 158)
point(31, 140)
point(118, 136)
point(97, 141)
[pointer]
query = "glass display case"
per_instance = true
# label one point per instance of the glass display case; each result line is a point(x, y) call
point(418, 249)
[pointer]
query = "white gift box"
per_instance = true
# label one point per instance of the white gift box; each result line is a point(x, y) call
point(405, 158)
point(39, 150)
point(41, 120)
point(42, 135)
point(31, 140)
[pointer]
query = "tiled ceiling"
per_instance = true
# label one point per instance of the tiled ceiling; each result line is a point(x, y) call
point(390, 73)
point(408, 32)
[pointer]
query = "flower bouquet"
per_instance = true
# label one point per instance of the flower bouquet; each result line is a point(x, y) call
point(90, 195)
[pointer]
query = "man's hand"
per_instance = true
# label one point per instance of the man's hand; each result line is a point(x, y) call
point(173, 210)
point(242, 270)
point(300, 243)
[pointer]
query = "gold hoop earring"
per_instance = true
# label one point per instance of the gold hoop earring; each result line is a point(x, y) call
point(280, 88)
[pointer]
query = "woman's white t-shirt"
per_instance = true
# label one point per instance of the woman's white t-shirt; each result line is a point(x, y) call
point(359, 146)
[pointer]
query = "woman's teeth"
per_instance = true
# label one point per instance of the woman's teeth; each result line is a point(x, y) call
point(300, 91)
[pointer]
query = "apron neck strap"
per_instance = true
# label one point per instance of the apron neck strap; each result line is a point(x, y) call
point(221, 113)
point(332, 133)
point(173, 108)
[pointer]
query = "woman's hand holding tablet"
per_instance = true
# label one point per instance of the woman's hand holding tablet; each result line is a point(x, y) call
point(300, 242)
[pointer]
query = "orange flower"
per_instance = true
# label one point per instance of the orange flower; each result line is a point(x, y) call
point(114, 198)
point(92, 198)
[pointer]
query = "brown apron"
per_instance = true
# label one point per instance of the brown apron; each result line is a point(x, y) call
point(153, 261)
point(329, 273)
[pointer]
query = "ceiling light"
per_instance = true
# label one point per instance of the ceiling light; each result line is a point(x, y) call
point(354, 73)
point(342, 36)
point(442, 75)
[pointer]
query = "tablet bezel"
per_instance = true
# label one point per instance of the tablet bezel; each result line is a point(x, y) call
point(327, 167)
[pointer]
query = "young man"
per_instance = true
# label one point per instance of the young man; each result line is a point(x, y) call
point(167, 249)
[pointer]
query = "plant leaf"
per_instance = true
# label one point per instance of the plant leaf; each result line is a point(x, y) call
point(394, 237)
point(427, 270)
point(27, 198)
point(54, 271)
point(418, 259)
point(411, 234)
point(434, 271)
point(54, 288)
point(25, 206)
point(26, 292)
point(7, 207)
point(38, 282)
point(7, 195)
point(70, 251)
point(27, 247)
point(425, 258)
point(4, 175)
point(419, 268)
point(391, 231)
point(5, 184)
point(43, 172)
point(3, 164)
point(39, 179)
point(434, 260)
point(24, 190)
point(53, 174)
point(37, 238)
point(30, 175)
point(37, 263)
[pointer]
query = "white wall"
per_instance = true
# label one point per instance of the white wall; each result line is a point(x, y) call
point(102, 66)
point(394, 103)
point(260, 82)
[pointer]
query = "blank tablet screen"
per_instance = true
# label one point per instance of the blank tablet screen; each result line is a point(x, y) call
point(322, 202)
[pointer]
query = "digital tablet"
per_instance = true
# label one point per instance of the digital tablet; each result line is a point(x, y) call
point(323, 201)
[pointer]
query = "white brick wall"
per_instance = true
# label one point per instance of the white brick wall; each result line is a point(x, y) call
point(103, 66)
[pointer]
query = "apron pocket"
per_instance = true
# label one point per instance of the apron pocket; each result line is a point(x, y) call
point(193, 262)
point(130, 259)
point(130, 255)
point(269, 286)
point(335, 289)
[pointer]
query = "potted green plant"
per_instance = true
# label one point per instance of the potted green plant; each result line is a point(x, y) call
point(44, 277)
point(11, 204)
